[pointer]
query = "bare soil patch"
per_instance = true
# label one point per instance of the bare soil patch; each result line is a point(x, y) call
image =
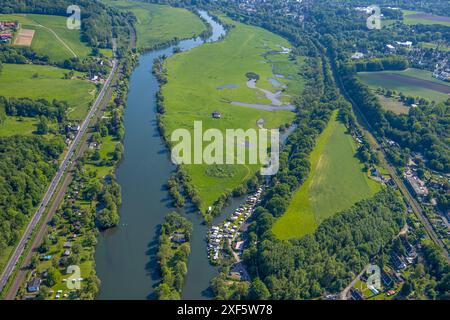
point(24, 37)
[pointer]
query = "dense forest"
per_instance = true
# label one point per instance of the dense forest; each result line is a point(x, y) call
point(424, 129)
point(100, 24)
point(27, 165)
point(329, 259)
point(388, 63)
point(24, 107)
point(96, 23)
point(306, 268)
point(337, 29)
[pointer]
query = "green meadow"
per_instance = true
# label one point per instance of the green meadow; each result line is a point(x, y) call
point(107, 147)
point(11, 126)
point(46, 82)
point(433, 45)
point(157, 24)
point(335, 183)
point(193, 92)
point(52, 37)
point(393, 104)
point(415, 17)
point(408, 85)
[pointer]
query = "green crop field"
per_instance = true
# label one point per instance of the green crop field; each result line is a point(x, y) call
point(206, 78)
point(407, 82)
point(335, 183)
point(35, 81)
point(52, 37)
point(157, 24)
point(415, 17)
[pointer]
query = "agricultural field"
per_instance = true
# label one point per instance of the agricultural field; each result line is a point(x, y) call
point(411, 82)
point(51, 37)
point(335, 183)
point(158, 24)
point(415, 17)
point(221, 71)
point(46, 82)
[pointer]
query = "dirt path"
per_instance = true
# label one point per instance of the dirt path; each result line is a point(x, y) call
point(57, 37)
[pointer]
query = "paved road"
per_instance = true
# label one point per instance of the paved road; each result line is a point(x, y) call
point(344, 294)
point(415, 206)
point(9, 268)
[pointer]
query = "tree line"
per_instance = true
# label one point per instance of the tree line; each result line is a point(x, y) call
point(95, 26)
point(326, 261)
point(25, 107)
point(27, 165)
point(424, 129)
point(172, 256)
point(381, 64)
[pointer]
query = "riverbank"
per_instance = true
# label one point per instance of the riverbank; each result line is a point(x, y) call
point(173, 253)
point(223, 238)
point(89, 204)
point(245, 50)
point(125, 258)
point(158, 26)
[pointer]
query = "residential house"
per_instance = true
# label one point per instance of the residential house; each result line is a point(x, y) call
point(178, 237)
point(33, 285)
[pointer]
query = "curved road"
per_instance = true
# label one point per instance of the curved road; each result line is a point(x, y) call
point(10, 266)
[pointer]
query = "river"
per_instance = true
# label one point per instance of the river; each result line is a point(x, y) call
point(126, 255)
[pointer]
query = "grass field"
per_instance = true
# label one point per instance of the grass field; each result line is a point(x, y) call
point(192, 93)
point(415, 17)
point(107, 147)
point(35, 81)
point(157, 24)
point(14, 126)
point(64, 45)
point(433, 45)
point(335, 183)
point(408, 83)
point(392, 104)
